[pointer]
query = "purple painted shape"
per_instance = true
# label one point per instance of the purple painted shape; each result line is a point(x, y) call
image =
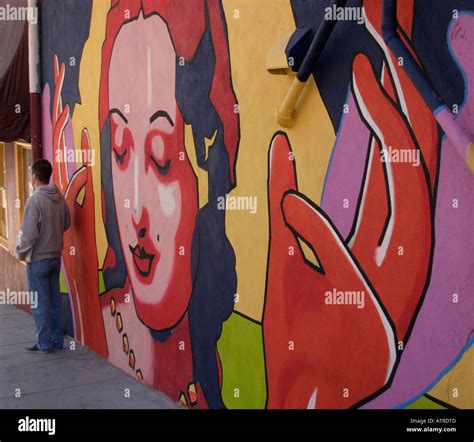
point(443, 328)
point(346, 170)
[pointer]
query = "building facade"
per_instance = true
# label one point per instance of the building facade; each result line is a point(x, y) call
point(228, 261)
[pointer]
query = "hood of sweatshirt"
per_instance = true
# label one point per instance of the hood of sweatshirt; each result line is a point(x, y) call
point(50, 191)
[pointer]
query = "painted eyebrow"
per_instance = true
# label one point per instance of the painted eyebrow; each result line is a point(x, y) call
point(117, 111)
point(161, 113)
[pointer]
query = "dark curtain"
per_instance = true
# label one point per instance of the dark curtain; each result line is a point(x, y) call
point(14, 82)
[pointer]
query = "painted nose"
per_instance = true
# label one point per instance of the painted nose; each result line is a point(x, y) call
point(142, 226)
point(137, 202)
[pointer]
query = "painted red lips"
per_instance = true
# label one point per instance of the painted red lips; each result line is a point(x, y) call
point(143, 261)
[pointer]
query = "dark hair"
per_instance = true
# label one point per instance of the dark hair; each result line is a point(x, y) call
point(43, 170)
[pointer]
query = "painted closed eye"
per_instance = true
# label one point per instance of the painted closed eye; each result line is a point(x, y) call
point(120, 157)
point(163, 169)
point(122, 145)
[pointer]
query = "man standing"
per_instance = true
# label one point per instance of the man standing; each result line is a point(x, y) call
point(40, 243)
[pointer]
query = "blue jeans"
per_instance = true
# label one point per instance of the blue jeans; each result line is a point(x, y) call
point(43, 278)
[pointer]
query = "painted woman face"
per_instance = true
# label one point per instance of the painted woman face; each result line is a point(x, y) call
point(155, 188)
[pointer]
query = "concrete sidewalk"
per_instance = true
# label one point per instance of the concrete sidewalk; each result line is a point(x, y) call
point(65, 378)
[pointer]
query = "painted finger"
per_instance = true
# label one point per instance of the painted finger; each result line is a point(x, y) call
point(78, 181)
point(282, 177)
point(311, 224)
point(61, 149)
point(401, 258)
point(58, 84)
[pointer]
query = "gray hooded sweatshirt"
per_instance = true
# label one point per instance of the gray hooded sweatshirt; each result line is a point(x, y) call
point(45, 218)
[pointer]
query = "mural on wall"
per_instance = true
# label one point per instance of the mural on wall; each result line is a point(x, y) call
point(151, 110)
point(169, 268)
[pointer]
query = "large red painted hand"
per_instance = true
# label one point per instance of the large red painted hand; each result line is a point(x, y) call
point(339, 349)
point(79, 239)
point(318, 352)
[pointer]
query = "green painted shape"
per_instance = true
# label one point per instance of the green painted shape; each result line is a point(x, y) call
point(423, 403)
point(243, 366)
point(101, 282)
point(62, 283)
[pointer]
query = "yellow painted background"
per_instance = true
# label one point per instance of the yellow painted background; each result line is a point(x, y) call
point(252, 32)
point(86, 114)
point(457, 386)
